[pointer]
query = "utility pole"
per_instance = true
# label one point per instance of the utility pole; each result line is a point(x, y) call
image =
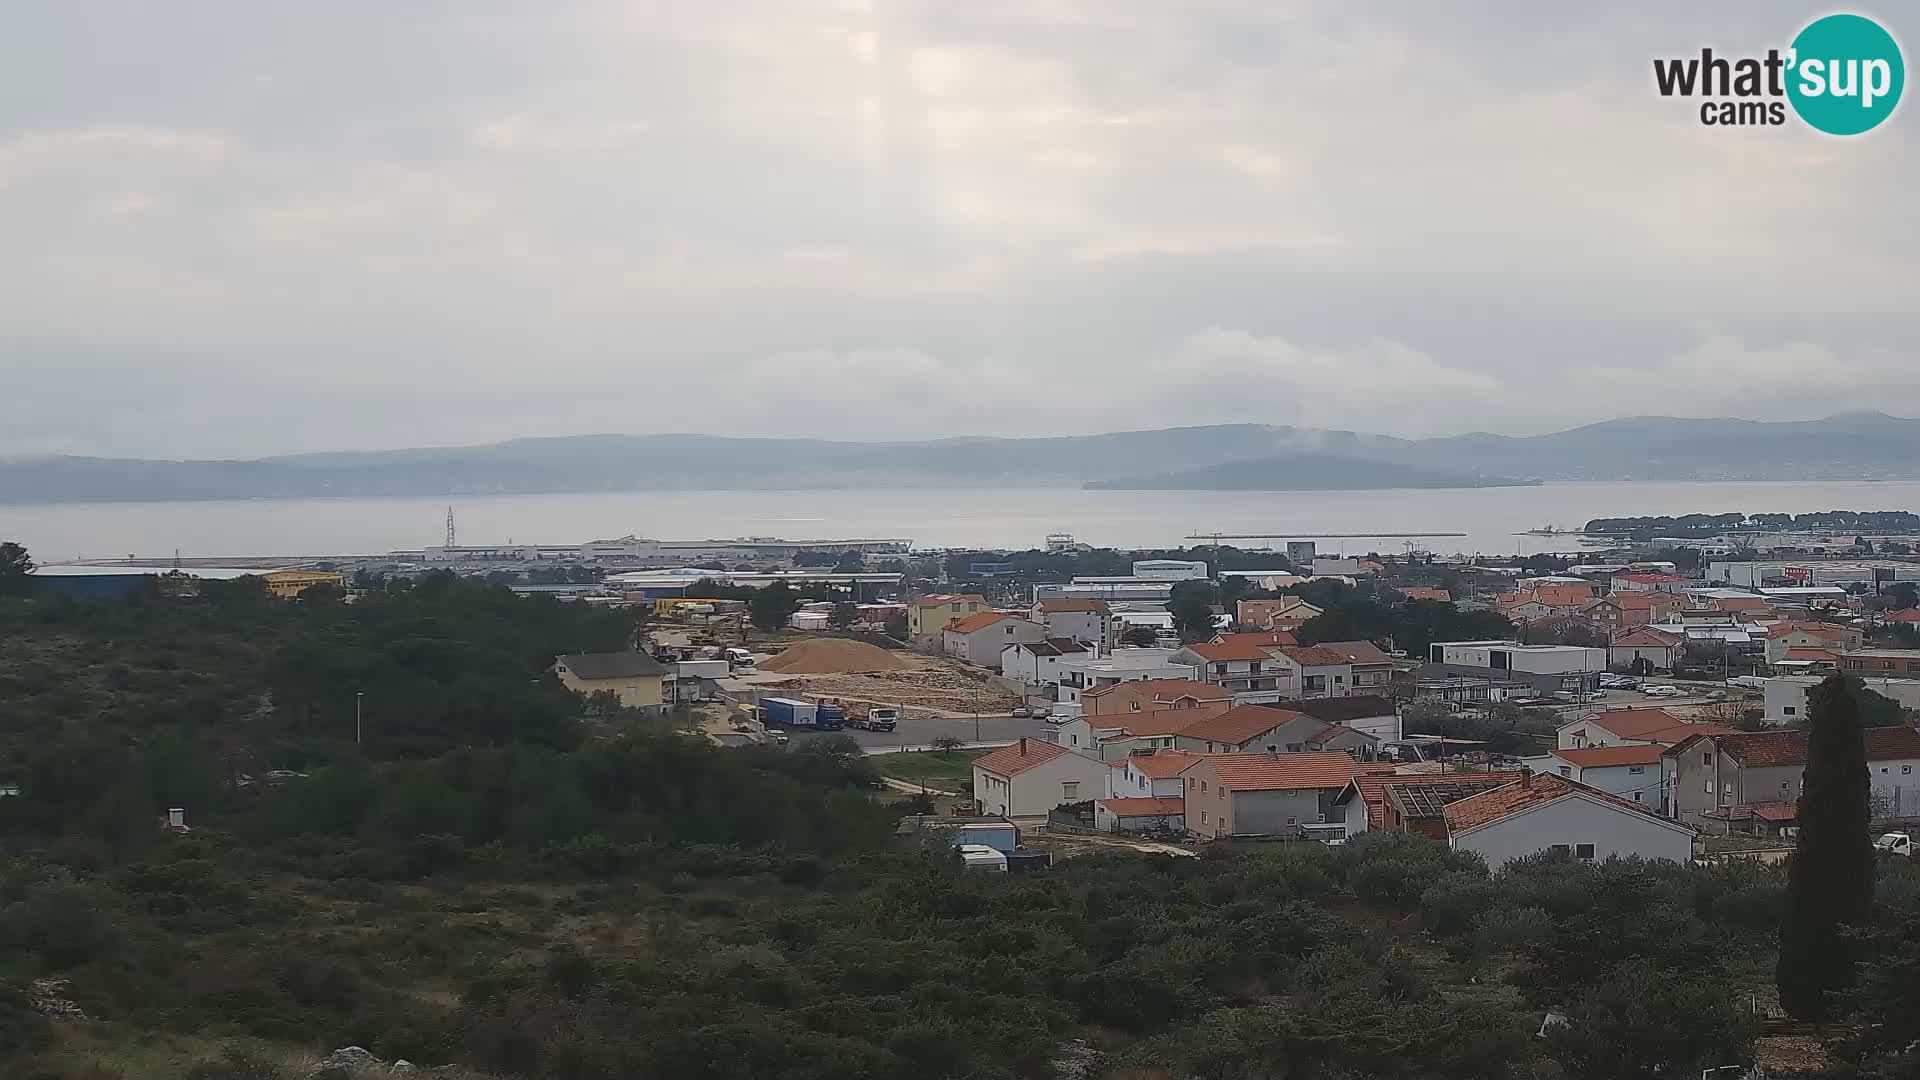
point(358, 698)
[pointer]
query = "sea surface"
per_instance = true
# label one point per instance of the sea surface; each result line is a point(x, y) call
point(1493, 519)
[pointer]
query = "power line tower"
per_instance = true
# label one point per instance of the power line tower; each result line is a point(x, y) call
point(450, 542)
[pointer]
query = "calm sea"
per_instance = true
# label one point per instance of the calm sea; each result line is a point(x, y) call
point(1491, 518)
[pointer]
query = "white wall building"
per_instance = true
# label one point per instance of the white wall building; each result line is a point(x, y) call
point(1552, 813)
point(1784, 697)
point(1169, 570)
point(1030, 778)
point(1087, 672)
point(1630, 771)
point(1513, 656)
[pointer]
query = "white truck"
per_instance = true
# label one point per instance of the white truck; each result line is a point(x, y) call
point(1895, 843)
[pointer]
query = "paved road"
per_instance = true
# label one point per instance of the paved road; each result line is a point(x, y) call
point(922, 732)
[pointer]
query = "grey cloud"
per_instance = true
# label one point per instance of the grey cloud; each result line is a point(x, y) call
point(372, 225)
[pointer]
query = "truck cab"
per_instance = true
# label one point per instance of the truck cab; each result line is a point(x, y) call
point(1895, 843)
point(882, 718)
point(739, 659)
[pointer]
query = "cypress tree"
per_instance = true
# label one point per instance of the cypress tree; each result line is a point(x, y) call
point(1830, 883)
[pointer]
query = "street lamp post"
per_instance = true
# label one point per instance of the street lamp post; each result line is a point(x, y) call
point(359, 696)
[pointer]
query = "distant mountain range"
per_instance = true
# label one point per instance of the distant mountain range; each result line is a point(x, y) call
point(1305, 471)
point(1850, 446)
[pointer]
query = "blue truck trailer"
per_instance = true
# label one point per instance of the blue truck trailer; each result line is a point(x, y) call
point(807, 715)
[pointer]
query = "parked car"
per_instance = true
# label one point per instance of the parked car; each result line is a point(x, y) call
point(1895, 843)
point(1041, 712)
point(1022, 711)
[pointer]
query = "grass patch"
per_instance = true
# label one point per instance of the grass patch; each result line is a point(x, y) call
point(948, 772)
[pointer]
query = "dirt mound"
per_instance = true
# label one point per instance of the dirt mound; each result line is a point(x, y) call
point(830, 656)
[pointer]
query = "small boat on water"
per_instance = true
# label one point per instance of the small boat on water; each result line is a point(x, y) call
point(1549, 530)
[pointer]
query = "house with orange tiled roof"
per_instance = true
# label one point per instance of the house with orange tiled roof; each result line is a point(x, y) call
point(1905, 616)
point(1710, 773)
point(1266, 613)
point(1548, 813)
point(1626, 610)
point(1629, 770)
point(1250, 670)
point(1151, 695)
point(1810, 635)
point(1616, 727)
point(1082, 620)
point(981, 638)
point(928, 615)
point(1409, 802)
point(1264, 794)
point(1644, 650)
point(1258, 728)
point(1425, 592)
point(1160, 814)
point(1148, 774)
point(1031, 777)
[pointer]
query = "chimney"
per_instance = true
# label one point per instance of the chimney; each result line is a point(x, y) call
point(1023, 746)
point(1526, 777)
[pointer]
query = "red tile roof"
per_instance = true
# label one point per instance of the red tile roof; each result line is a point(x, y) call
point(1237, 725)
point(1150, 807)
point(1223, 651)
point(1650, 725)
point(1778, 812)
point(1265, 639)
point(1426, 592)
point(1773, 749)
point(1601, 757)
point(1162, 764)
point(1478, 811)
point(1741, 603)
point(1633, 598)
point(1357, 652)
point(1148, 724)
point(1318, 656)
point(1644, 638)
point(1372, 787)
point(979, 621)
point(1021, 756)
point(1283, 772)
point(1563, 595)
point(1808, 652)
point(1904, 615)
point(1814, 629)
point(1164, 689)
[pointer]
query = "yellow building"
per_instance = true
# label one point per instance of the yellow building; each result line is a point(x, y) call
point(928, 616)
point(634, 677)
point(289, 584)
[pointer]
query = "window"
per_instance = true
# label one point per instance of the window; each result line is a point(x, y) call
point(1783, 787)
point(1566, 770)
point(1562, 849)
point(1636, 770)
point(1203, 785)
point(1583, 851)
point(1789, 710)
point(1292, 821)
point(1203, 817)
point(1709, 785)
point(1906, 770)
point(1706, 759)
point(1070, 791)
point(1637, 796)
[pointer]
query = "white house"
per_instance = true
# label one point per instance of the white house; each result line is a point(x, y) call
point(1037, 663)
point(1645, 649)
point(1375, 715)
point(1552, 813)
point(1030, 777)
point(980, 639)
point(1630, 770)
point(1079, 674)
point(1249, 670)
point(1087, 621)
point(1149, 775)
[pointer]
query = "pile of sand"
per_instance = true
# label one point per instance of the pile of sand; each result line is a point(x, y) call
point(830, 656)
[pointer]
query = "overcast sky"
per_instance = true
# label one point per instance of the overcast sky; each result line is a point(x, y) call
point(235, 228)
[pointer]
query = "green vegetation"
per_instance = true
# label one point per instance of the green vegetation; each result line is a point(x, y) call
point(482, 884)
point(1831, 885)
point(1370, 613)
point(950, 771)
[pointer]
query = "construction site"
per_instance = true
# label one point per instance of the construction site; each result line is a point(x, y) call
point(855, 672)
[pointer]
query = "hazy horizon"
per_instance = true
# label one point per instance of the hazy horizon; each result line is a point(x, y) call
point(239, 230)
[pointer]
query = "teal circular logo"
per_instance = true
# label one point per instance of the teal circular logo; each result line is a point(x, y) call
point(1846, 74)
